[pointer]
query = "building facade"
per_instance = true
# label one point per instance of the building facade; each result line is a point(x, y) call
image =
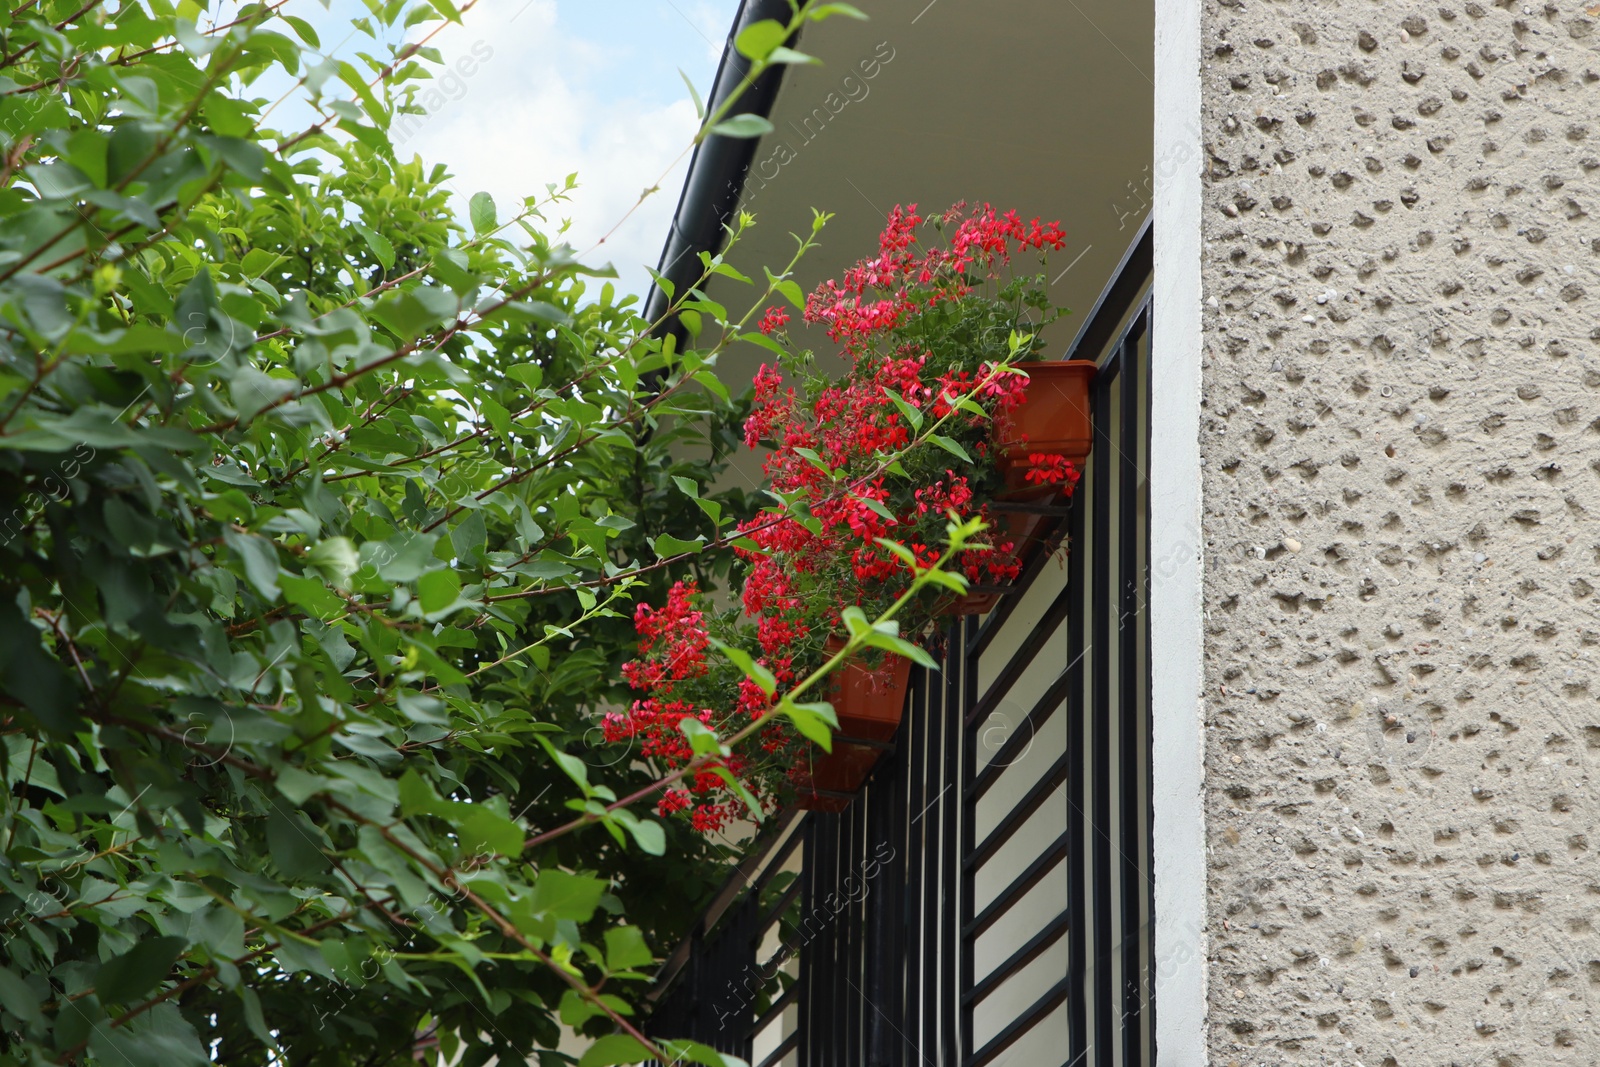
point(1356, 485)
point(1397, 449)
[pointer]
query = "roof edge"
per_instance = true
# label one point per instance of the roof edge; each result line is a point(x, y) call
point(715, 182)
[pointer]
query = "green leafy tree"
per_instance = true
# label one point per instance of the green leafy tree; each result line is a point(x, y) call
point(322, 512)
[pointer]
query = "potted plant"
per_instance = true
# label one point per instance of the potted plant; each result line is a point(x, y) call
point(945, 407)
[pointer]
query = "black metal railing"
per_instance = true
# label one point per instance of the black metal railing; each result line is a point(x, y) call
point(987, 896)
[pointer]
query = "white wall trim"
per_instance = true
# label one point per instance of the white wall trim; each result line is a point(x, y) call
point(1177, 545)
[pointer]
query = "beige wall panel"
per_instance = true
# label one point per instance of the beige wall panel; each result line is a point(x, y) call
point(1400, 500)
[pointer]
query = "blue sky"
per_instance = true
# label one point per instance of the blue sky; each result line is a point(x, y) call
point(559, 86)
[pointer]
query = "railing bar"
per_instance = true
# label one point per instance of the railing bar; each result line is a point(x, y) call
point(855, 929)
point(786, 1046)
point(775, 864)
point(1077, 947)
point(1020, 738)
point(1030, 951)
point(969, 830)
point(1038, 557)
point(729, 891)
point(1147, 739)
point(950, 945)
point(911, 915)
point(1117, 297)
point(1031, 801)
point(841, 955)
point(1129, 614)
point(777, 1008)
point(748, 951)
point(777, 911)
point(1021, 1025)
point(1025, 653)
point(931, 816)
point(887, 808)
point(1025, 881)
point(1101, 612)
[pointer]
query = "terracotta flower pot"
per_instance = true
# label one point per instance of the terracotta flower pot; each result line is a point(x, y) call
point(869, 704)
point(1053, 419)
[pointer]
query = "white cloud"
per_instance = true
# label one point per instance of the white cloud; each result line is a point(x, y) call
point(541, 102)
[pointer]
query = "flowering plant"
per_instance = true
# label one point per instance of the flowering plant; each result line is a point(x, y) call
point(868, 471)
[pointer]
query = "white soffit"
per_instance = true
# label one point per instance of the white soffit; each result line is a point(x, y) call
point(1044, 106)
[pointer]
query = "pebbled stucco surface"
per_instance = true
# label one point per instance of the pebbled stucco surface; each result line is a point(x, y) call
point(1401, 442)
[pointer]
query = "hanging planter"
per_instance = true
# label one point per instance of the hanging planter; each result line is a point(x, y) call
point(869, 703)
point(1052, 425)
point(1052, 420)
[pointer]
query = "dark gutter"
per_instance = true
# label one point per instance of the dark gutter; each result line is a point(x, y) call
point(715, 183)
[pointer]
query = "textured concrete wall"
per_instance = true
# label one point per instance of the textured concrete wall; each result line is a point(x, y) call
point(1402, 525)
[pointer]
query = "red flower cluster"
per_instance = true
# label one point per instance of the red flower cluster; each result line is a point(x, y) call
point(672, 651)
point(925, 335)
point(1047, 468)
point(877, 294)
point(829, 450)
point(773, 321)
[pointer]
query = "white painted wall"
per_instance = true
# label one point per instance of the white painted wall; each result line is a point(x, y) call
point(1176, 545)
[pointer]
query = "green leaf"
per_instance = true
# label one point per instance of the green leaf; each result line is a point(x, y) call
point(567, 896)
point(740, 790)
point(789, 55)
point(683, 1052)
point(614, 1049)
point(139, 970)
point(260, 559)
point(758, 40)
point(485, 830)
point(225, 116)
point(901, 552)
point(694, 94)
point(855, 620)
point(437, 590)
point(649, 836)
point(626, 949)
point(335, 559)
point(352, 77)
point(311, 595)
point(17, 997)
point(885, 635)
point(417, 796)
point(912, 415)
point(746, 663)
point(253, 391)
point(667, 546)
point(810, 456)
point(702, 739)
point(295, 844)
point(952, 447)
point(379, 244)
point(746, 125)
point(304, 29)
point(816, 721)
point(481, 210)
point(27, 672)
point(573, 767)
point(161, 1037)
point(822, 11)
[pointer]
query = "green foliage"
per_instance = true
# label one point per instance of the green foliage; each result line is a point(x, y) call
point(321, 515)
